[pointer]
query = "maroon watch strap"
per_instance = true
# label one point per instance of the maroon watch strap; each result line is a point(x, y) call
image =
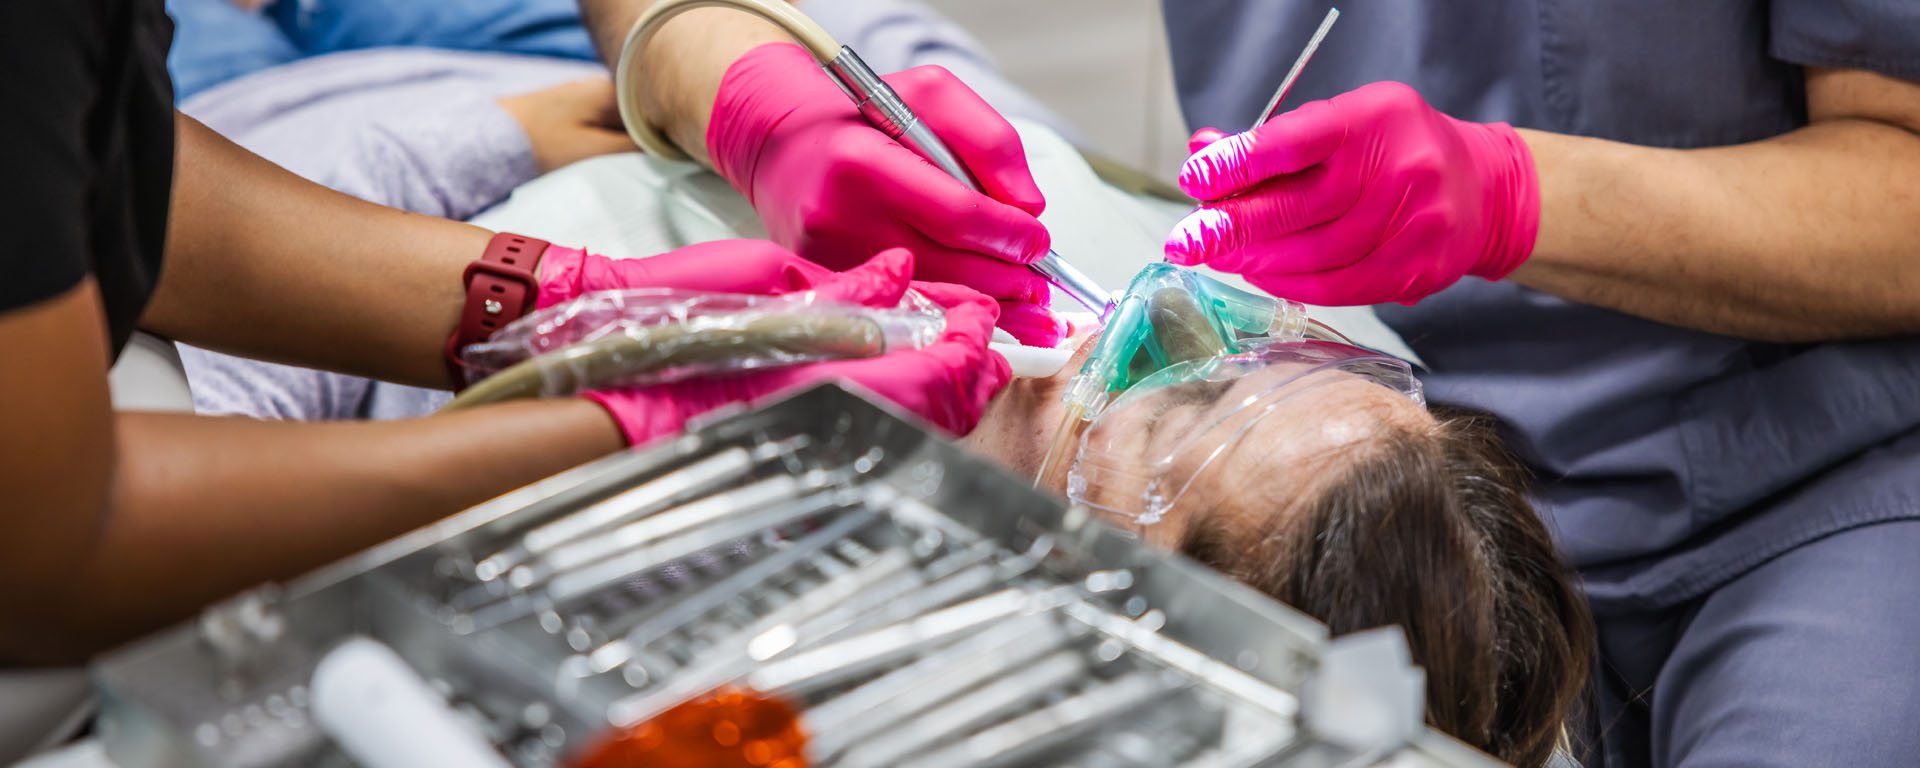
point(501, 287)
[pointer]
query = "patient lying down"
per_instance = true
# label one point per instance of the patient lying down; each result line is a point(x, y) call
point(1359, 506)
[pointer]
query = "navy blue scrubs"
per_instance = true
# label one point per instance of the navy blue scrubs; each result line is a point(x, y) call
point(1746, 515)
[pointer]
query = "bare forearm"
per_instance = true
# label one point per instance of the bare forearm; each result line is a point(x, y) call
point(204, 507)
point(684, 61)
point(1811, 235)
point(265, 264)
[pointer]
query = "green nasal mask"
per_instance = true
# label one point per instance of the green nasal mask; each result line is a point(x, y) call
point(1170, 315)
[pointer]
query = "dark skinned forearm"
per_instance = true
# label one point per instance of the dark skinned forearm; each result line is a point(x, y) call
point(203, 507)
point(262, 263)
point(1807, 236)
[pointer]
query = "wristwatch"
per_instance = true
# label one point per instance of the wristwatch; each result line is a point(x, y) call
point(501, 287)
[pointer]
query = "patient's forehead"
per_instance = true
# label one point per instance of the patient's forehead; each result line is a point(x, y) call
point(1328, 419)
point(1333, 417)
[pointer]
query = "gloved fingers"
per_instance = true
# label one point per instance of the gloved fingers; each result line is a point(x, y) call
point(983, 140)
point(880, 282)
point(970, 313)
point(1201, 138)
point(846, 243)
point(995, 278)
point(1032, 323)
point(972, 372)
point(1264, 214)
point(1291, 142)
point(913, 192)
point(1319, 248)
point(721, 266)
point(647, 413)
point(948, 382)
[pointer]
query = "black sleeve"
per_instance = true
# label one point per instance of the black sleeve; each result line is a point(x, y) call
point(49, 54)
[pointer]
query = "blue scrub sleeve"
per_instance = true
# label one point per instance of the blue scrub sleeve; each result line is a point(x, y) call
point(1878, 35)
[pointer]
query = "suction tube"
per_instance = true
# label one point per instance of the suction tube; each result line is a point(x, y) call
point(610, 360)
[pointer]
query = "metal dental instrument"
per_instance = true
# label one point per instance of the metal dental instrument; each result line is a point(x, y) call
point(877, 102)
point(763, 640)
point(968, 711)
point(701, 476)
point(888, 112)
point(1025, 737)
point(904, 693)
point(1333, 14)
point(1299, 65)
point(923, 611)
point(618, 651)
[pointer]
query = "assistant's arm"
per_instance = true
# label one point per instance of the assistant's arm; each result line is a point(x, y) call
point(683, 63)
point(1814, 234)
point(262, 263)
point(117, 523)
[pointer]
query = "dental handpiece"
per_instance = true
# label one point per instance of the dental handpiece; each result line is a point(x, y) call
point(883, 107)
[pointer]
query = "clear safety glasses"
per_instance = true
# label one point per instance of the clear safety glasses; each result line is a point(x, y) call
point(1183, 368)
point(1143, 450)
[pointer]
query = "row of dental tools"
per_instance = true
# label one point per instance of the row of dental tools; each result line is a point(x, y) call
point(878, 102)
point(815, 583)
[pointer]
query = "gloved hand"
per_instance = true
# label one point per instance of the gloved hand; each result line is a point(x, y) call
point(1368, 197)
point(947, 382)
point(722, 266)
point(835, 189)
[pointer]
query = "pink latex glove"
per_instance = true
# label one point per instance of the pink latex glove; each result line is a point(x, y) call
point(723, 266)
point(947, 382)
point(1368, 197)
point(836, 190)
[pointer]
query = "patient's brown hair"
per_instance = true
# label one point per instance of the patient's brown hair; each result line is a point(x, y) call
point(1430, 528)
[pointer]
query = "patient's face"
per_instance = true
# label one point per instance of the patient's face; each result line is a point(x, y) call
point(1326, 418)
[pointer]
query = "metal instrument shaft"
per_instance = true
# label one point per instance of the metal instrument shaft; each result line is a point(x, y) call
point(883, 107)
point(1299, 64)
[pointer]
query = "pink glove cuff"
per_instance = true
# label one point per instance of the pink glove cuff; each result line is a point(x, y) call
point(1514, 200)
point(644, 415)
point(737, 132)
point(560, 271)
point(636, 423)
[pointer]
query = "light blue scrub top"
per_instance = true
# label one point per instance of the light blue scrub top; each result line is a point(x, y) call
point(1672, 460)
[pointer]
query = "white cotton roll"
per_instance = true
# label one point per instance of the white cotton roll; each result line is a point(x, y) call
point(384, 716)
point(1029, 362)
point(1032, 362)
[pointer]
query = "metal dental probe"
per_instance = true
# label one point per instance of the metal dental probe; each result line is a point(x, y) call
point(1333, 14)
point(1299, 64)
point(883, 107)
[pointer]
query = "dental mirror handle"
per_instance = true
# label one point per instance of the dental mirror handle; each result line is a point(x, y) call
point(883, 107)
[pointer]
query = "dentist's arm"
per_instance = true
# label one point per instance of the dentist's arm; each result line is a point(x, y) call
point(1811, 235)
point(684, 62)
point(730, 90)
point(1374, 196)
